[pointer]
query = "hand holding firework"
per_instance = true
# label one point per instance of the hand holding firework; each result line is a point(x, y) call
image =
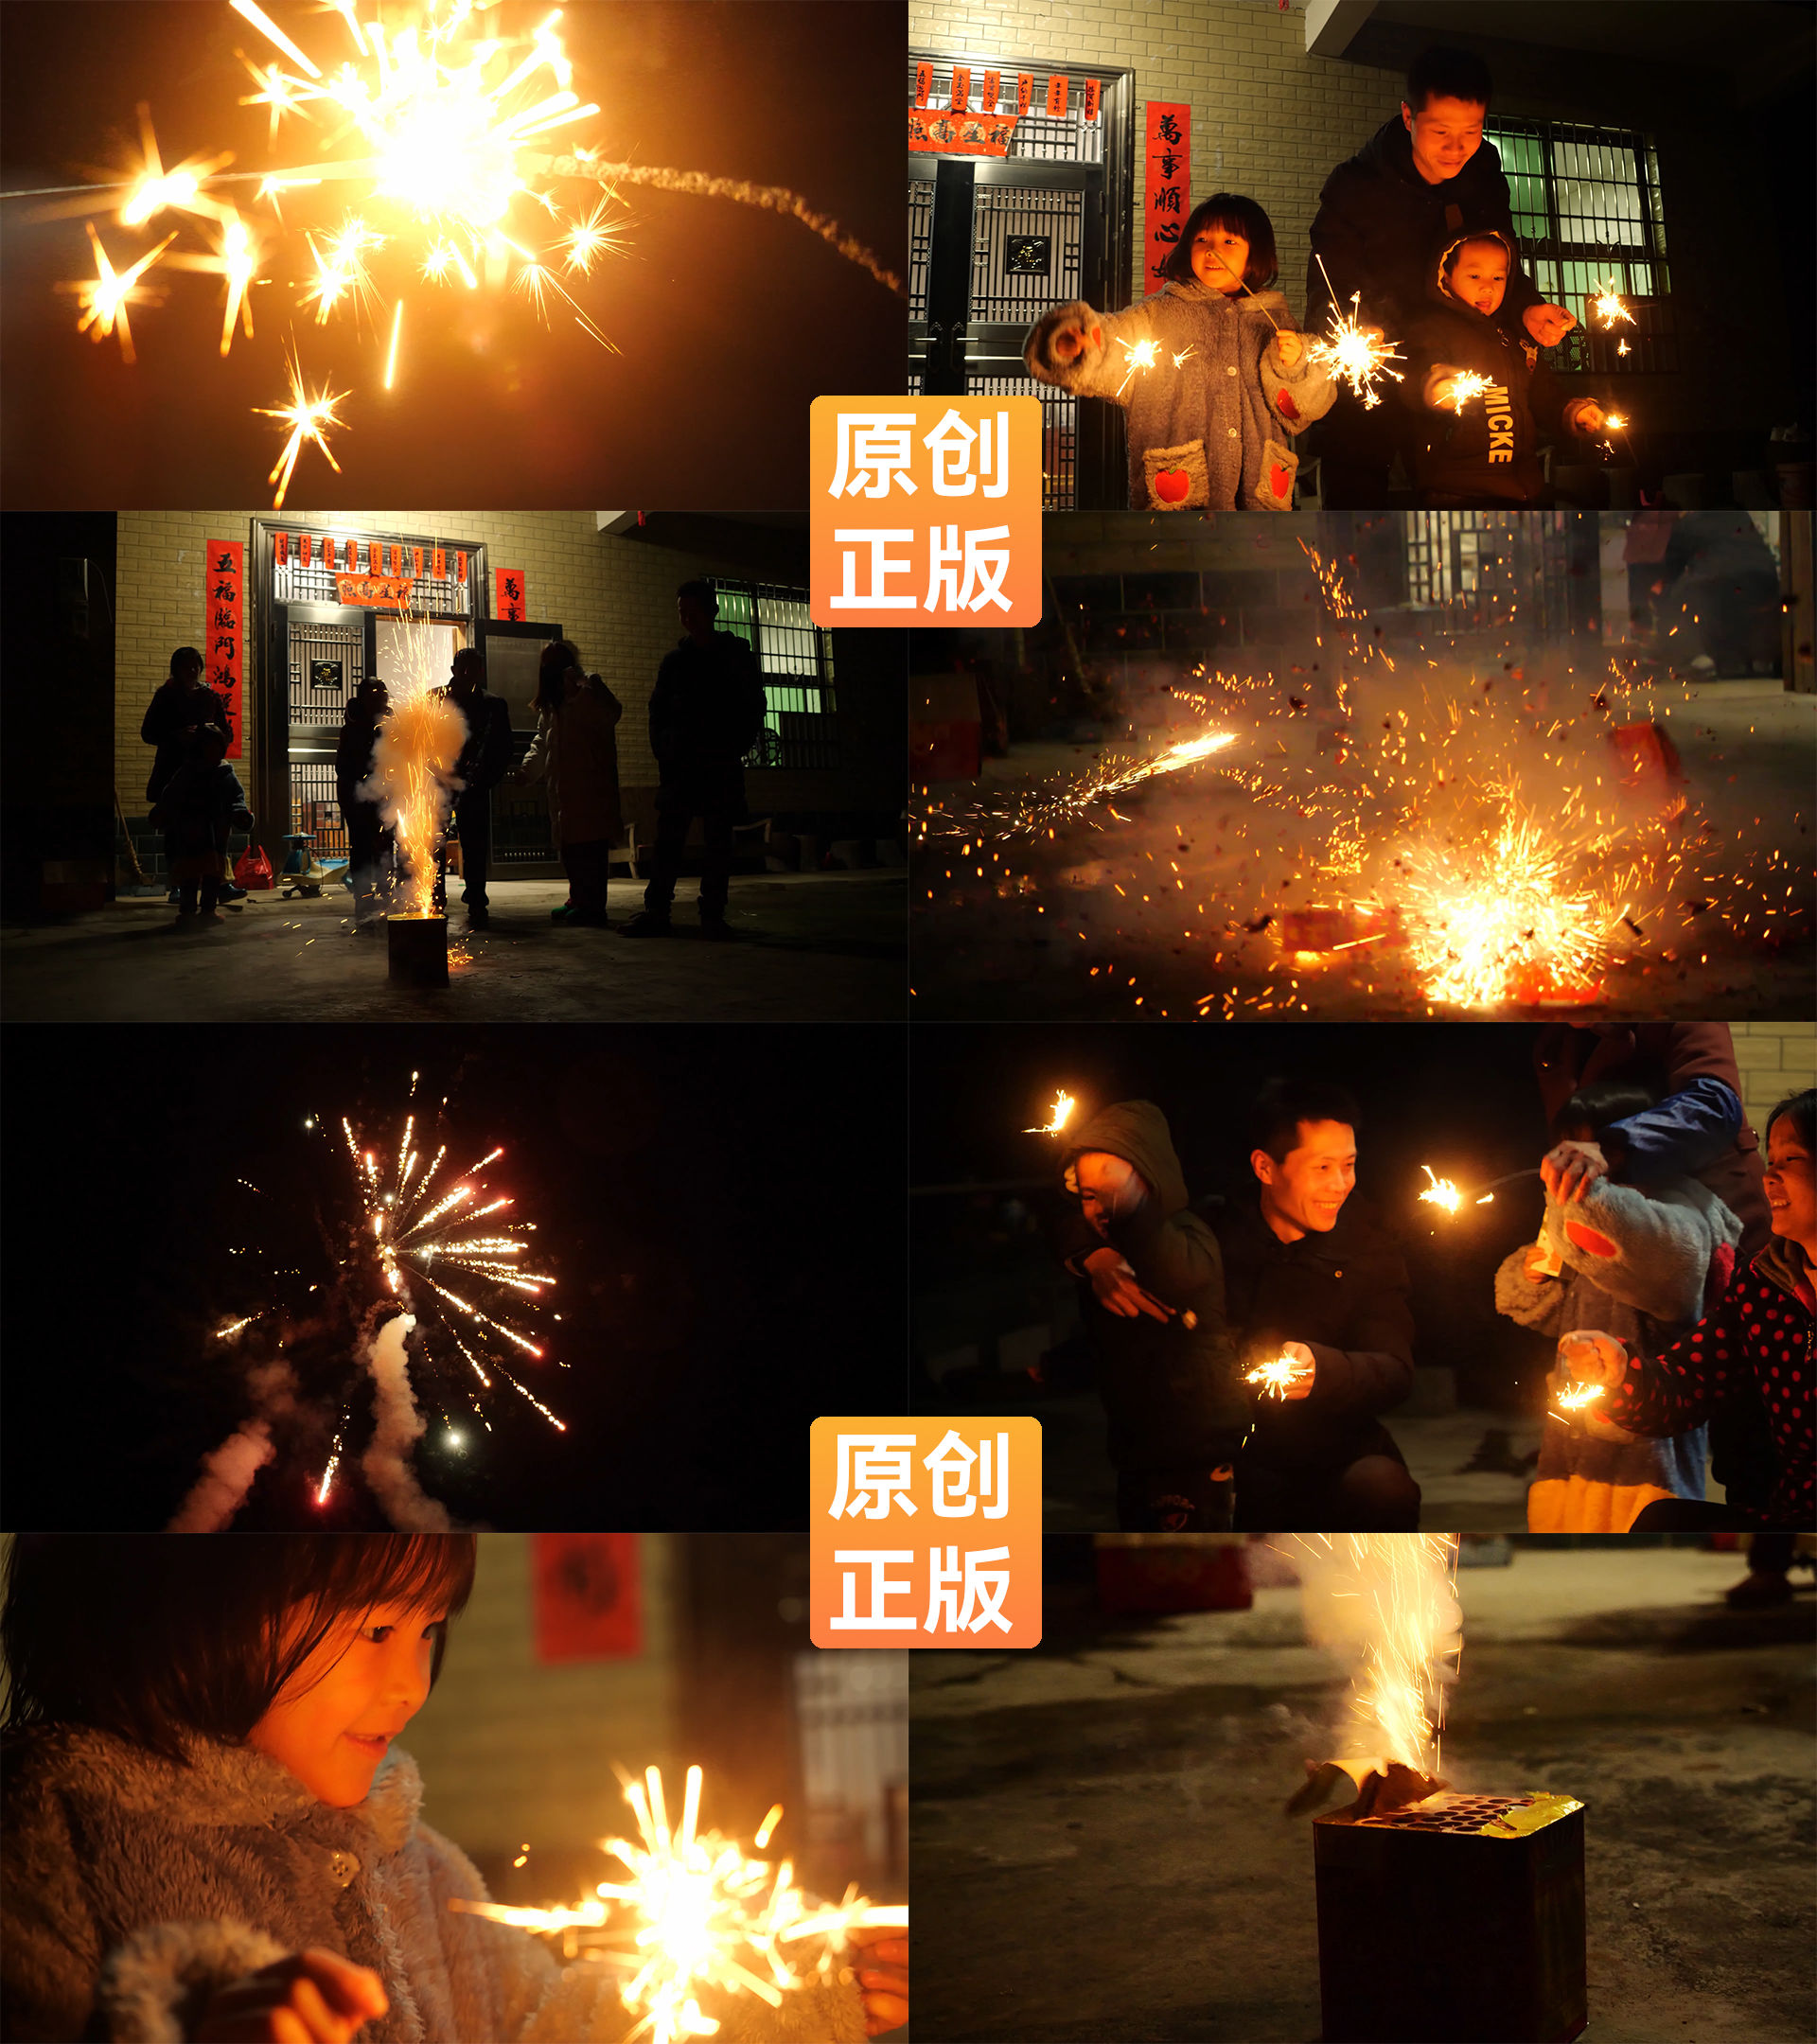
point(1290, 1375)
point(1570, 1169)
point(1586, 416)
point(1289, 347)
point(327, 1999)
point(1454, 387)
point(1607, 307)
point(1115, 1286)
point(1356, 355)
point(1548, 324)
point(1593, 1363)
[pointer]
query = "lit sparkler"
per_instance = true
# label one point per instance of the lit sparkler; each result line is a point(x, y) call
point(1577, 1396)
point(309, 417)
point(1355, 357)
point(1441, 1192)
point(1276, 1377)
point(1607, 307)
point(105, 297)
point(697, 1915)
point(1466, 387)
point(1140, 355)
point(1058, 1116)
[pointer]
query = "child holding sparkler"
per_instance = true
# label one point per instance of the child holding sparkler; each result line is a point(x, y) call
point(1211, 370)
point(210, 1837)
point(1166, 1366)
point(201, 804)
point(1481, 397)
point(1636, 1264)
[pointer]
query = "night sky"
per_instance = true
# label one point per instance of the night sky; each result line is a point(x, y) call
point(723, 315)
point(723, 1207)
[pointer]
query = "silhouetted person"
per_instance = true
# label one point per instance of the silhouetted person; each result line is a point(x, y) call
point(483, 761)
point(201, 804)
point(368, 840)
point(576, 753)
point(706, 711)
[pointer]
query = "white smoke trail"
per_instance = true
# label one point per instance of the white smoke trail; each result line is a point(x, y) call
point(227, 1473)
point(1385, 1604)
point(400, 1426)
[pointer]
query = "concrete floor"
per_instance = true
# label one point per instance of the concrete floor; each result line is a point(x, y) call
point(1099, 1852)
point(1016, 930)
point(1079, 1486)
point(813, 947)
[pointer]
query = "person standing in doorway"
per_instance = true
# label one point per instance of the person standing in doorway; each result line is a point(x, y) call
point(483, 761)
point(706, 711)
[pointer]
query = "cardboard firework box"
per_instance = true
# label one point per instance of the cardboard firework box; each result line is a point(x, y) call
point(1454, 1920)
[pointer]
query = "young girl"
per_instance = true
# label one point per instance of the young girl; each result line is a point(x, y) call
point(1639, 1264)
point(1230, 375)
point(210, 1837)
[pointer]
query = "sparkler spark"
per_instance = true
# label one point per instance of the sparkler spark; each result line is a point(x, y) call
point(309, 419)
point(1140, 355)
point(1607, 307)
point(1276, 1377)
point(1466, 387)
point(1354, 357)
point(1060, 1113)
point(1577, 1396)
point(1441, 1192)
point(106, 297)
point(698, 1914)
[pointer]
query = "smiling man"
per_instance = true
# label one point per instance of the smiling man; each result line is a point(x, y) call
point(1309, 1275)
point(1424, 178)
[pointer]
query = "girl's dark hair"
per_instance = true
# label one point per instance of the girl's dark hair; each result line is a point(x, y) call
point(183, 653)
point(550, 671)
point(1283, 1103)
point(1241, 216)
point(1591, 1108)
point(155, 1636)
point(1800, 1109)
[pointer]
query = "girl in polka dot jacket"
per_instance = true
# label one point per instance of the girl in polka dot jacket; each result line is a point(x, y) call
point(1214, 377)
point(1763, 1332)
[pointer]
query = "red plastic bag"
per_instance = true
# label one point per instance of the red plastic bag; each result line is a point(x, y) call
point(253, 869)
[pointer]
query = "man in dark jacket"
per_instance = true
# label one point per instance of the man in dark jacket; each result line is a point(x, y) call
point(1166, 1369)
point(482, 764)
point(706, 711)
point(1308, 1274)
point(369, 843)
point(1424, 175)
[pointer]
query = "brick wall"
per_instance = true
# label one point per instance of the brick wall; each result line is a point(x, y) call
point(1775, 1058)
point(511, 1749)
point(613, 597)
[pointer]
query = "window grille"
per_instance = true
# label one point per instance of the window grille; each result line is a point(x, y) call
point(795, 658)
point(1587, 212)
point(1488, 569)
point(1059, 434)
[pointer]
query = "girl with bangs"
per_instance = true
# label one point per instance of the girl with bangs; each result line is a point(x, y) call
point(1212, 371)
point(211, 1836)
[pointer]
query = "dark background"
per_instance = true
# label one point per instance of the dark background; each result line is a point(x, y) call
point(722, 1207)
point(727, 318)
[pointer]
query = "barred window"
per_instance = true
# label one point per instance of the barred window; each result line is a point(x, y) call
point(1587, 215)
point(796, 660)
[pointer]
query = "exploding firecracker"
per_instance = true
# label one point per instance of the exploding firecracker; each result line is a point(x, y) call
point(693, 1914)
point(1058, 1116)
point(427, 170)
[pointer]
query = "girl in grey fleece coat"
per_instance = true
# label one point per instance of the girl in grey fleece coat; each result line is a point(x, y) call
point(175, 1869)
point(1212, 413)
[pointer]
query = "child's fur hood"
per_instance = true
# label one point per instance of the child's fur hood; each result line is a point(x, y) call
point(135, 1888)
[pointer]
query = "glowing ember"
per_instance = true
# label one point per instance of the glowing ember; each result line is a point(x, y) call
point(1058, 1117)
point(1140, 355)
point(105, 297)
point(1579, 1396)
point(1607, 307)
point(309, 419)
point(696, 1913)
point(1278, 1377)
point(1466, 387)
point(1441, 1192)
point(1354, 357)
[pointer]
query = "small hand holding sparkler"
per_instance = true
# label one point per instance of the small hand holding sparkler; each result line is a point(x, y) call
point(1290, 1375)
point(1356, 355)
point(882, 1969)
point(1594, 1363)
point(1570, 1169)
point(1548, 324)
point(312, 1996)
point(1288, 346)
point(1117, 1289)
point(1454, 387)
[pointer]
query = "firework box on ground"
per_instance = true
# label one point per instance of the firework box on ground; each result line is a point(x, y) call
point(1160, 1572)
point(1455, 1920)
point(418, 949)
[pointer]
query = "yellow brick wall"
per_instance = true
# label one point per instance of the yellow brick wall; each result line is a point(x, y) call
point(1775, 1058)
point(613, 597)
point(512, 1750)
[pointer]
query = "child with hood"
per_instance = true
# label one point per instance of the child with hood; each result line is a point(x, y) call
point(1638, 1263)
point(1166, 1365)
point(1230, 380)
point(1482, 451)
point(200, 803)
point(210, 1837)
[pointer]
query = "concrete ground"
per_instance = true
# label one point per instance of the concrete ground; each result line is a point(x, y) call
point(1108, 920)
point(1099, 1852)
point(811, 948)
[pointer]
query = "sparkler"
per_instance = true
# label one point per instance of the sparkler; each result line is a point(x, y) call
point(1277, 1377)
point(1354, 357)
point(1579, 1396)
point(105, 297)
point(1140, 355)
point(1060, 1113)
point(700, 1915)
point(309, 419)
point(1466, 387)
point(1607, 307)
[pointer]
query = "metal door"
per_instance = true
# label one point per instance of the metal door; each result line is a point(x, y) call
point(996, 240)
point(327, 651)
point(522, 848)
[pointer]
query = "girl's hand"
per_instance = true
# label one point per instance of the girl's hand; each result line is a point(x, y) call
point(1289, 347)
point(311, 1997)
point(882, 1969)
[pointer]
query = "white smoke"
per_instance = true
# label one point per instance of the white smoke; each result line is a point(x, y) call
point(399, 1427)
point(227, 1473)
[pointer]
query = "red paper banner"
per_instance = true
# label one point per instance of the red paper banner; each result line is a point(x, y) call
point(509, 603)
point(460, 566)
point(960, 99)
point(222, 643)
point(1091, 99)
point(1057, 97)
point(302, 549)
point(1167, 189)
point(965, 134)
point(416, 562)
point(375, 591)
point(374, 558)
point(280, 549)
point(586, 1596)
point(987, 95)
point(924, 82)
point(439, 564)
point(1023, 91)
point(396, 561)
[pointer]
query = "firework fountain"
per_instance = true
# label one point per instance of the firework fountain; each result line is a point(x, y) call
point(428, 171)
point(413, 782)
point(426, 1305)
point(696, 1914)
